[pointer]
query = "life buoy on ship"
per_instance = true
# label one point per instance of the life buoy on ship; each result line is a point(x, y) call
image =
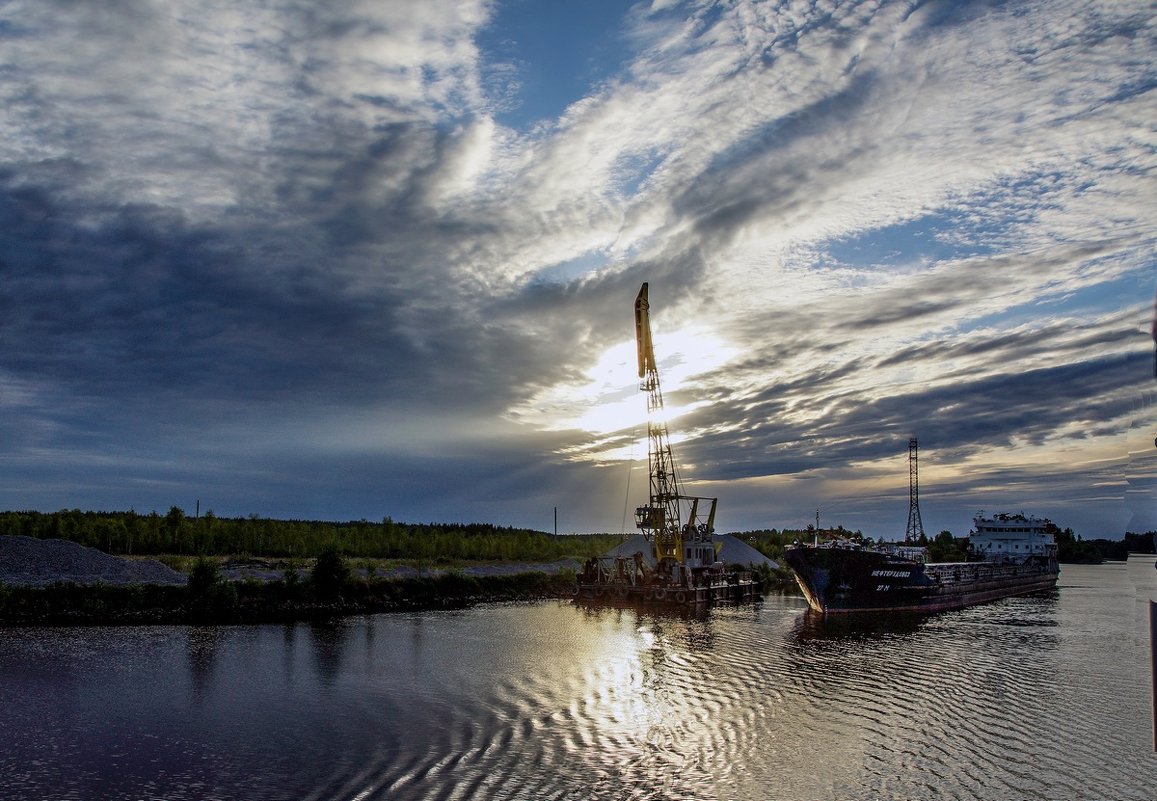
point(680, 597)
point(660, 594)
point(599, 590)
point(576, 590)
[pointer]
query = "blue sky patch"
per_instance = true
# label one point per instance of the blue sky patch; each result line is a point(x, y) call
point(558, 53)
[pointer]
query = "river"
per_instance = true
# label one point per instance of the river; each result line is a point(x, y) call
point(1040, 697)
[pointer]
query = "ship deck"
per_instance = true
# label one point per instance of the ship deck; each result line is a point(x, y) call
point(661, 595)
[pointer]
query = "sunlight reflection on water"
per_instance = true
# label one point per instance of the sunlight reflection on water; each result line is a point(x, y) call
point(1018, 698)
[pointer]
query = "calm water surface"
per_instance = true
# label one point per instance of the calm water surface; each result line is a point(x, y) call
point(1042, 697)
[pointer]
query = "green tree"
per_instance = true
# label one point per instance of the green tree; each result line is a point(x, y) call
point(946, 548)
point(1071, 549)
point(210, 596)
point(204, 576)
point(174, 527)
point(207, 543)
point(330, 574)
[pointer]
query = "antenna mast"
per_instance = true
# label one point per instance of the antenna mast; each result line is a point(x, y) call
point(915, 532)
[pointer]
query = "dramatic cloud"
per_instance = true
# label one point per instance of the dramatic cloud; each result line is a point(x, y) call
point(379, 258)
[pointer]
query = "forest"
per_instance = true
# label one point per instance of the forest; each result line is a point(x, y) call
point(175, 533)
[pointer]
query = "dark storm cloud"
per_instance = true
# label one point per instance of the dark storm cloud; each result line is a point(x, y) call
point(147, 300)
point(297, 291)
point(958, 419)
point(818, 419)
point(1014, 346)
point(204, 260)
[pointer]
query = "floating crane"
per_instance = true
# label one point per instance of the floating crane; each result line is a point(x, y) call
point(678, 528)
point(679, 533)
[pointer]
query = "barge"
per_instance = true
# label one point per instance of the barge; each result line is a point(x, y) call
point(677, 563)
point(1008, 555)
point(631, 581)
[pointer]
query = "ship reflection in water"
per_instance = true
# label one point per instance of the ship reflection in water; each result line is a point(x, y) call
point(813, 625)
point(1019, 698)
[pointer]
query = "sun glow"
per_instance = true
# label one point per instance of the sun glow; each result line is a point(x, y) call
point(610, 402)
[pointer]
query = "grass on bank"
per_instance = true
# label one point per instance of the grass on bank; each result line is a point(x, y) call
point(329, 588)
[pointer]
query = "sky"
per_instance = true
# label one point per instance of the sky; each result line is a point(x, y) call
point(376, 259)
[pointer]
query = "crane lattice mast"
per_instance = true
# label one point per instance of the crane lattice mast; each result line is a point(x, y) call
point(663, 520)
point(915, 531)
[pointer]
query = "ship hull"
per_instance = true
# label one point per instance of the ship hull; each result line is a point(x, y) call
point(841, 580)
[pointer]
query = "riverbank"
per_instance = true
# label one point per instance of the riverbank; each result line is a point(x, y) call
point(53, 582)
point(279, 601)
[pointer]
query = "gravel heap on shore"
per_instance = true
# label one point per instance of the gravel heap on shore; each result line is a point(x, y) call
point(31, 562)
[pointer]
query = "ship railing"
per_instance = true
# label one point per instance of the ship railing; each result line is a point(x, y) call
point(717, 576)
point(971, 572)
point(847, 545)
point(917, 553)
point(619, 570)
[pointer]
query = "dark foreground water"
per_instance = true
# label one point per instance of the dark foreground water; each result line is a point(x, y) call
point(1042, 697)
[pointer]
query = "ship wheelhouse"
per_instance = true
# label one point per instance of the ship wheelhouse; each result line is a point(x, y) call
point(1012, 537)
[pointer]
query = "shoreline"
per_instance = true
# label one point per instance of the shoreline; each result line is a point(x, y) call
point(248, 602)
point(55, 582)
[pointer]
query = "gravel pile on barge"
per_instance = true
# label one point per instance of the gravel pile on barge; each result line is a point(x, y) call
point(31, 562)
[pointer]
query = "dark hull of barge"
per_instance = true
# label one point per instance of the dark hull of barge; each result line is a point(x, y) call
point(837, 580)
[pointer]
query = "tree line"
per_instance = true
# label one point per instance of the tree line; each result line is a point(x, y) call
point(153, 534)
point(771, 542)
point(1075, 550)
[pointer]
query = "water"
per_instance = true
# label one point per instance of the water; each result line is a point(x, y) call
point(1041, 697)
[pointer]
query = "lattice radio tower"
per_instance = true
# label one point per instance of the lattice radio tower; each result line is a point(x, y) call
point(915, 532)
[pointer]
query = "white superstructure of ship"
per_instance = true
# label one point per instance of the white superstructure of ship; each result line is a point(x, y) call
point(1011, 537)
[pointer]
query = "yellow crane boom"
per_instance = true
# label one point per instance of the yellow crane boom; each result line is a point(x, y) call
point(680, 536)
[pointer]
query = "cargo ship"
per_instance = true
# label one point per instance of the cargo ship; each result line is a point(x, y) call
point(1007, 555)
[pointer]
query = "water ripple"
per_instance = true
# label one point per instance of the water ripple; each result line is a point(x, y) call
point(1023, 698)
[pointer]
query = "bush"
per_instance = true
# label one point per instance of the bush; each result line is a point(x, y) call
point(203, 577)
point(330, 574)
point(210, 596)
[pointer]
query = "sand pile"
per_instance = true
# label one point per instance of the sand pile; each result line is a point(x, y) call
point(31, 562)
